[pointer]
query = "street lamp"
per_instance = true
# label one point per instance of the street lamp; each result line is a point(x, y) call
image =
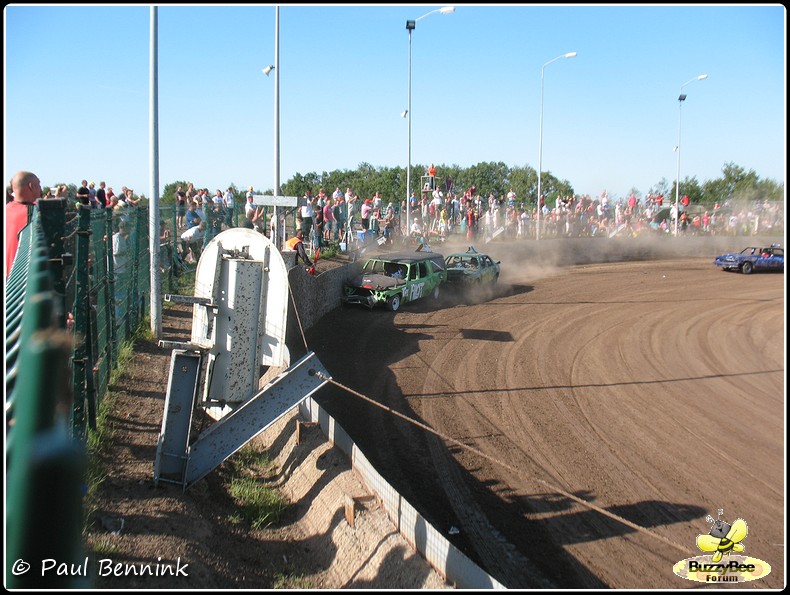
point(407, 114)
point(681, 99)
point(540, 149)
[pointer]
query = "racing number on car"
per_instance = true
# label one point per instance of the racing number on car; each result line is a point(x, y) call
point(416, 291)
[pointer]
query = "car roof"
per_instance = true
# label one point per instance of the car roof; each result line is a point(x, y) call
point(408, 257)
point(467, 254)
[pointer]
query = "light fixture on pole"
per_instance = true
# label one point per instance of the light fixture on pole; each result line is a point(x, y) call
point(410, 25)
point(267, 70)
point(681, 99)
point(540, 147)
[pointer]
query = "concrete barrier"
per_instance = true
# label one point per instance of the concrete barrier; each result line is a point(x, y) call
point(449, 561)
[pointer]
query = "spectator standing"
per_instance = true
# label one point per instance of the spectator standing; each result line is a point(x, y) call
point(416, 229)
point(330, 224)
point(120, 248)
point(181, 206)
point(83, 194)
point(432, 176)
point(130, 199)
point(227, 199)
point(511, 199)
point(389, 224)
point(306, 211)
point(92, 195)
point(364, 212)
point(339, 211)
point(26, 190)
point(101, 196)
point(249, 208)
point(318, 225)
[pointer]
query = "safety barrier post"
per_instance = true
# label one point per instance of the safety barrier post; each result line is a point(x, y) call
point(81, 314)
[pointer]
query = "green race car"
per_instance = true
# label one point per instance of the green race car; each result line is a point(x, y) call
point(471, 270)
point(395, 279)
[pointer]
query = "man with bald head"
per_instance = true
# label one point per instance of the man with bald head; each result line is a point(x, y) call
point(26, 188)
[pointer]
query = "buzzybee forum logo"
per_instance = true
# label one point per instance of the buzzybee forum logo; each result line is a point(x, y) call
point(720, 565)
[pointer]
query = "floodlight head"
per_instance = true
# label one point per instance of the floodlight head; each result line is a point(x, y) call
point(682, 97)
point(410, 25)
point(570, 55)
point(404, 113)
point(702, 77)
point(447, 9)
point(267, 70)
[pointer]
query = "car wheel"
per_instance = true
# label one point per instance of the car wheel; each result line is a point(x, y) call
point(747, 268)
point(394, 303)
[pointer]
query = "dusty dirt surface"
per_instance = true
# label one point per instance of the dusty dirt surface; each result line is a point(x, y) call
point(651, 390)
point(654, 391)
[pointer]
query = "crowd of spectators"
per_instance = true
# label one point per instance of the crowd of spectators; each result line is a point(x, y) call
point(440, 211)
point(437, 214)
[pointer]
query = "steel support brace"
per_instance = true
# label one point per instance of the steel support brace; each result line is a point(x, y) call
point(232, 432)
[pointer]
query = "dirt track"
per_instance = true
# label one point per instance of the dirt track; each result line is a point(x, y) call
point(653, 390)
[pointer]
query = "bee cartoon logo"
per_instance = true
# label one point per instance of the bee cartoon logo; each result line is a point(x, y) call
point(723, 538)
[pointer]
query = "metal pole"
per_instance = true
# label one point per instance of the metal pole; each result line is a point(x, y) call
point(681, 99)
point(153, 209)
point(677, 177)
point(277, 192)
point(408, 115)
point(540, 151)
point(540, 148)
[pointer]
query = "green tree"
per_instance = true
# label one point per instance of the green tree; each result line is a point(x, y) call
point(689, 187)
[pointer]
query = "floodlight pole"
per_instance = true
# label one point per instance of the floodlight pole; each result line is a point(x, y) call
point(540, 143)
point(410, 25)
point(681, 99)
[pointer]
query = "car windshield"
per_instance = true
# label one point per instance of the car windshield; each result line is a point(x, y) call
point(374, 266)
point(464, 262)
point(383, 267)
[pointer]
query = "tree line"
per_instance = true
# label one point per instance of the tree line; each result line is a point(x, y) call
point(735, 183)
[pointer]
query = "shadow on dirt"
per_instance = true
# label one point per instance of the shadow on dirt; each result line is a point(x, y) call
point(359, 347)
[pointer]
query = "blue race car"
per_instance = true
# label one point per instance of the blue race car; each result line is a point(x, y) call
point(753, 259)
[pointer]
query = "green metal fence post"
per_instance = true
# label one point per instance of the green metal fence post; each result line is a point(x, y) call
point(81, 315)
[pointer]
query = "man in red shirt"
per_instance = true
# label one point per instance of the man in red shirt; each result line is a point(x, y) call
point(26, 188)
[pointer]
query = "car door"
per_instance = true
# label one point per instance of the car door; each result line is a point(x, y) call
point(416, 286)
point(776, 260)
point(488, 270)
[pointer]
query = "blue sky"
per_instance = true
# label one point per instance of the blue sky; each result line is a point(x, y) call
point(76, 91)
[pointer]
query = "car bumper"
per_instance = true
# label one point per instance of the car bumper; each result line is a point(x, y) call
point(366, 300)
